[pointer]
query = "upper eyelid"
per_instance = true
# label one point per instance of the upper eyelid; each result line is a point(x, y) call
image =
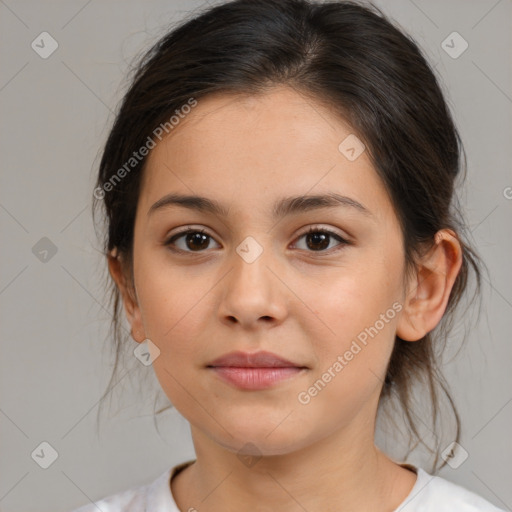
point(317, 227)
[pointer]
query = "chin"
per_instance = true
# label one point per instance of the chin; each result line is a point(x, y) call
point(261, 439)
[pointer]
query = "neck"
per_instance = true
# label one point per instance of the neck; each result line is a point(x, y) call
point(343, 471)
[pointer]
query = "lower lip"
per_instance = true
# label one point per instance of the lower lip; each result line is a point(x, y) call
point(255, 378)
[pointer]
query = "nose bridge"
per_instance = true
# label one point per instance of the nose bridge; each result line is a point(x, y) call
point(251, 291)
point(250, 260)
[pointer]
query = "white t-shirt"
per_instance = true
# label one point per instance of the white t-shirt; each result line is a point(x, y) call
point(429, 494)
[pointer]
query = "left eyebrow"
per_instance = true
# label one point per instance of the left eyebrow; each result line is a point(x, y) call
point(299, 204)
point(282, 208)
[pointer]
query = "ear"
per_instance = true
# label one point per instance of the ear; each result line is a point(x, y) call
point(429, 289)
point(118, 272)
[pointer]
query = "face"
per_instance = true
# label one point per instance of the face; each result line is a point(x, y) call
point(253, 278)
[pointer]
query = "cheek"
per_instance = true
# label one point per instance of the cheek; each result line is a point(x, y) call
point(358, 317)
point(173, 306)
point(173, 313)
point(350, 303)
point(352, 359)
point(177, 312)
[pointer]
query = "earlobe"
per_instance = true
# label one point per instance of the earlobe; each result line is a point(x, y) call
point(130, 304)
point(430, 288)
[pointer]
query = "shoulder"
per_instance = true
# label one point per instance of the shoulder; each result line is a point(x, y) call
point(436, 494)
point(134, 499)
point(125, 501)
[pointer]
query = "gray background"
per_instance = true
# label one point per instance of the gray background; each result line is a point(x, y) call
point(55, 362)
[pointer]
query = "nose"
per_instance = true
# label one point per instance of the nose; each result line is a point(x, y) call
point(254, 294)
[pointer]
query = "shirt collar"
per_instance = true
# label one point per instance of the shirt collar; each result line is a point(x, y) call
point(158, 493)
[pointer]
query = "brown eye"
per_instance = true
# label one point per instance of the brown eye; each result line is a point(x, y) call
point(319, 240)
point(194, 240)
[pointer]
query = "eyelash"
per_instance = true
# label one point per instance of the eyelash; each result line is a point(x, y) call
point(313, 229)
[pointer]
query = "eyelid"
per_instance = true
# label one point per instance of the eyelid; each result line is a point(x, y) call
point(314, 228)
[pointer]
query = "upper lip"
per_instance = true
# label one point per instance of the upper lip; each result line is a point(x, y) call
point(260, 359)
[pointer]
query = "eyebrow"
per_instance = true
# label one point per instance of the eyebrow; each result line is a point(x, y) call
point(282, 208)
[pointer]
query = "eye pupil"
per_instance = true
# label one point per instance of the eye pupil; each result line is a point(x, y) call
point(197, 238)
point(318, 238)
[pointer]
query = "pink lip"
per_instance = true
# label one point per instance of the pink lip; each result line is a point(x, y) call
point(254, 371)
point(260, 359)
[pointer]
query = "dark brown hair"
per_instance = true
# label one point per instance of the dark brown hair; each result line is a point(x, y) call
point(344, 55)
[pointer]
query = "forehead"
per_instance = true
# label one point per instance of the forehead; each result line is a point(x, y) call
point(272, 124)
point(248, 151)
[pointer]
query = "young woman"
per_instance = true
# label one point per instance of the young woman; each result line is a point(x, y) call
point(281, 231)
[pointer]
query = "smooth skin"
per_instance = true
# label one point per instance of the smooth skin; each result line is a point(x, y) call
point(303, 303)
